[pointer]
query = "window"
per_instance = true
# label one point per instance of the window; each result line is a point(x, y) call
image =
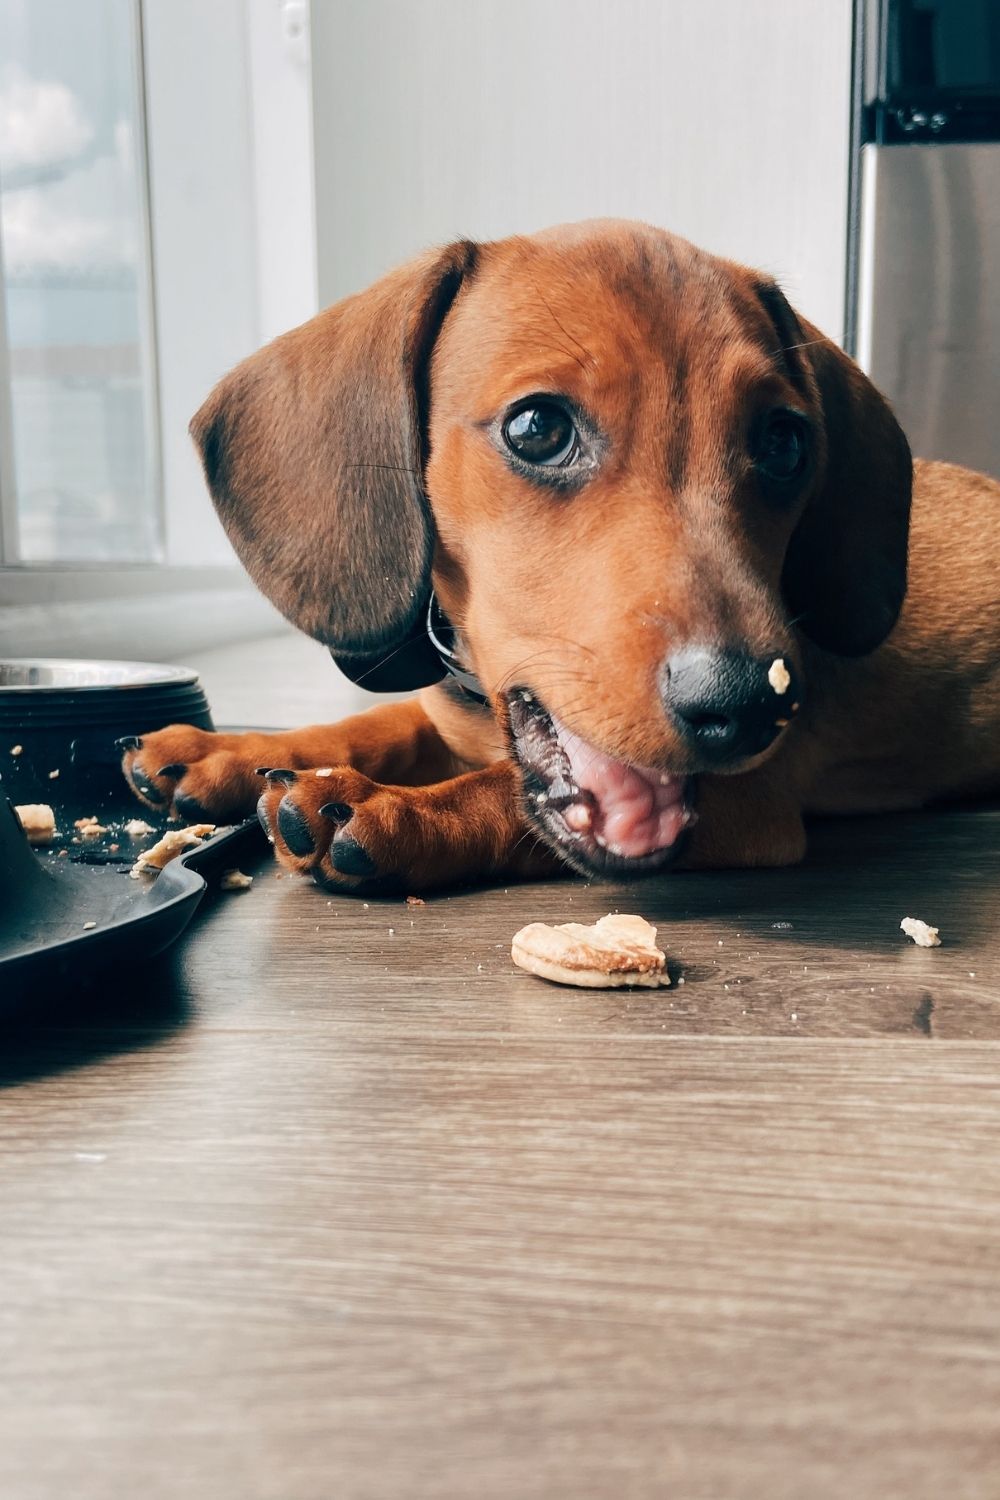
point(156, 226)
point(79, 357)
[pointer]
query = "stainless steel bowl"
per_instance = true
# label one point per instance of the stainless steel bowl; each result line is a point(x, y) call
point(57, 714)
point(55, 674)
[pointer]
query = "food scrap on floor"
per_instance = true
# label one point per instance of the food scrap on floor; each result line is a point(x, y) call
point(616, 951)
point(922, 935)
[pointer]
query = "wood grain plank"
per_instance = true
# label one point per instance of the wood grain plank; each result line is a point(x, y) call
point(664, 1265)
point(335, 1202)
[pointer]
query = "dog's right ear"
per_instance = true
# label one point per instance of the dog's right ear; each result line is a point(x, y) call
point(314, 451)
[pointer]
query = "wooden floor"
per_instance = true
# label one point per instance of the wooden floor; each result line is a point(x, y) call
point(336, 1205)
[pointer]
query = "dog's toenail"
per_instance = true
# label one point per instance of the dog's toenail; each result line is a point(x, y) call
point(286, 777)
point(175, 772)
point(294, 828)
point(337, 812)
point(262, 771)
point(129, 742)
point(263, 818)
point(347, 856)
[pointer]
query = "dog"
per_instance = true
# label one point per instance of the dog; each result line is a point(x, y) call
point(653, 549)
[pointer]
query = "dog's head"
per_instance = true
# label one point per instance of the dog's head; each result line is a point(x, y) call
point(633, 476)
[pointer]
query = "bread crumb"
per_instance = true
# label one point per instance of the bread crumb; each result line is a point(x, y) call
point(38, 821)
point(325, 771)
point(88, 925)
point(16, 750)
point(616, 951)
point(173, 843)
point(53, 775)
point(779, 676)
point(235, 880)
point(922, 935)
point(415, 901)
point(89, 828)
point(135, 828)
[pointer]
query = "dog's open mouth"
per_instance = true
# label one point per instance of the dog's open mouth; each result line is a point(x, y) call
point(602, 815)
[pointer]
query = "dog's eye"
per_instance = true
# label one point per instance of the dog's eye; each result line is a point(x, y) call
point(781, 448)
point(542, 433)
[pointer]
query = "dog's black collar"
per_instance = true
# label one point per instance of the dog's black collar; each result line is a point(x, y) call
point(441, 630)
point(425, 657)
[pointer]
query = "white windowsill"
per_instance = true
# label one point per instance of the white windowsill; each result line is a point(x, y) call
point(138, 614)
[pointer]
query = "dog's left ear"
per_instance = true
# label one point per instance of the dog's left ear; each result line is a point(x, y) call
point(844, 578)
point(314, 452)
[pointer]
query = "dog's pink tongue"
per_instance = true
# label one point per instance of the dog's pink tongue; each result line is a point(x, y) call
point(637, 811)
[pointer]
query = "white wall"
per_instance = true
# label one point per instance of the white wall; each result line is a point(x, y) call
point(279, 81)
point(202, 216)
point(725, 120)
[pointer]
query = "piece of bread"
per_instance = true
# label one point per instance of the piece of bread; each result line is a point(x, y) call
point(922, 935)
point(38, 821)
point(136, 828)
point(173, 843)
point(235, 880)
point(89, 828)
point(616, 951)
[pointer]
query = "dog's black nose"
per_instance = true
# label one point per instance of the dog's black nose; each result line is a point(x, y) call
point(727, 705)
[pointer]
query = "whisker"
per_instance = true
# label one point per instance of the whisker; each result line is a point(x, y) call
point(810, 344)
point(389, 468)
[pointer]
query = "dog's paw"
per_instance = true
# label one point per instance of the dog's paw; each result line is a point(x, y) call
point(199, 775)
point(348, 832)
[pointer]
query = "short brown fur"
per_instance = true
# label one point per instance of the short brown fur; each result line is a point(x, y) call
point(352, 464)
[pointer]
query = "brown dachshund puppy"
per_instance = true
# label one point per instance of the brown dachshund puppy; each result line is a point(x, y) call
point(662, 521)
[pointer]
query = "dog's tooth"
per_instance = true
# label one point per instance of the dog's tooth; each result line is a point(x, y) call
point(541, 798)
point(601, 842)
point(578, 817)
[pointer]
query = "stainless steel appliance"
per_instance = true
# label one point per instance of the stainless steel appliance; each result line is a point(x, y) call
point(928, 241)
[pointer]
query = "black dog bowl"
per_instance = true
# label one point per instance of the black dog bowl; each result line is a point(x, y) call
point(68, 908)
point(65, 716)
point(64, 922)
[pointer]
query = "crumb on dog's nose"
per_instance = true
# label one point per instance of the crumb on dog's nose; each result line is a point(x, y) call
point(726, 704)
